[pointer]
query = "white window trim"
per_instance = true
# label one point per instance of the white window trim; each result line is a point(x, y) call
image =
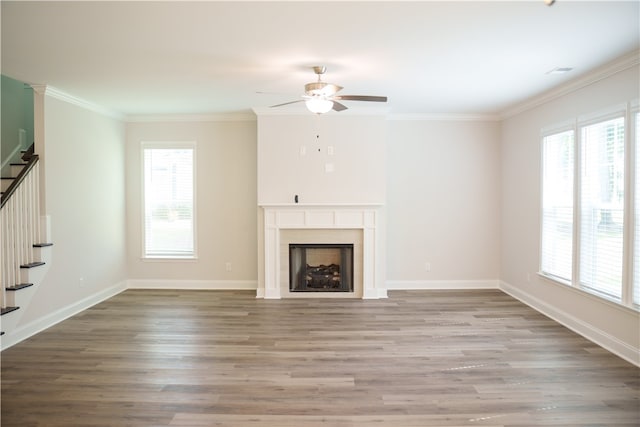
point(548, 131)
point(632, 117)
point(168, 144)
point(557, 128)
point(603, 115)
point(627, 111)
point(591, 295)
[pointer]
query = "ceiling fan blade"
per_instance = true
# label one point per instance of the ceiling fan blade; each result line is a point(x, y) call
point(361, 98)
point(331, 89)
point(321, 89)
point(286, 103)
point(338, 107)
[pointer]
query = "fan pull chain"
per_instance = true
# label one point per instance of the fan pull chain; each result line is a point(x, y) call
point(318, 129)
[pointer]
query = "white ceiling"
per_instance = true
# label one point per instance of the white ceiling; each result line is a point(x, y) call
point(206, 57)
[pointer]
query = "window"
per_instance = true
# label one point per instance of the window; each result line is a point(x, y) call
point(169, 230)
point(602, 207)
point(587, 165)
point(636, 205)
point(557, 205)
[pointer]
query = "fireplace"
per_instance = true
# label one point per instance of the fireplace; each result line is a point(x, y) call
point(320, 267)
point(361, 273)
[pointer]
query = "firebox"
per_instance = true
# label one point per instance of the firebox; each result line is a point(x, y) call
point(321, 267)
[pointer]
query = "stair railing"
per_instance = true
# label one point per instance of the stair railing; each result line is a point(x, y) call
point(20, 220)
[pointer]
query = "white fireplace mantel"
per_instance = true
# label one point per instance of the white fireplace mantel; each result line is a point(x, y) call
point(364, 217)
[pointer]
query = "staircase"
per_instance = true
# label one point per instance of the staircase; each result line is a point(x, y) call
point(22, 251)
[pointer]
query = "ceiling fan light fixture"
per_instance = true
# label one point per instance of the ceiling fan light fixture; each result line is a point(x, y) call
point(319, 105)
point(321, 97)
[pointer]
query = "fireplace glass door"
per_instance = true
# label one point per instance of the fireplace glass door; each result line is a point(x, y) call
point(320, 267)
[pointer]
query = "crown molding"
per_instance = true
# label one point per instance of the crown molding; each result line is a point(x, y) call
point(155, 118)
point(362, 111)
point(621, 64)
point(385, 112)
point(446, 117)
point(51, 91)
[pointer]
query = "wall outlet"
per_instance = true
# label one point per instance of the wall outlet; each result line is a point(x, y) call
point(227, 266)
point(427, 266)
point(81, 282)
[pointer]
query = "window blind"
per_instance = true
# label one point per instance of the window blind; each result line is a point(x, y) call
point(602, 206)
point(557, 205)
point(168, 202)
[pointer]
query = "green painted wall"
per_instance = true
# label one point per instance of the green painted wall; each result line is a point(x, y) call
point(16, 114)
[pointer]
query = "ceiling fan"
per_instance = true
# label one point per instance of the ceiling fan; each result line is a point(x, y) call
point(321, 97)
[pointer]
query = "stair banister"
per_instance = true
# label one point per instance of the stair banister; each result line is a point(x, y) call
point(20, 219)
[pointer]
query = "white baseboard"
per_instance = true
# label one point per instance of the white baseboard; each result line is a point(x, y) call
point(441, 284)
point(374, 294)
point(603, 339)
point(192, 284)
point(12, 338)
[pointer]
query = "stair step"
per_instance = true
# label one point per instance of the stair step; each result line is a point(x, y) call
point(32, 264)
point(42, 245)
point(18, 287)
point(6, 310)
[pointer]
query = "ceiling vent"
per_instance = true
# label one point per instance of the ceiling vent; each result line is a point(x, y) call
point(560, 70)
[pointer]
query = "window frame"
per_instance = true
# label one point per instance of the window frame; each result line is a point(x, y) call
point(547, 132)
point(628, 112)
point(144, 145)
point(633, 147)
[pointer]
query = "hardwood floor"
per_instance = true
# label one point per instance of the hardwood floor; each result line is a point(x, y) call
point(225, 358)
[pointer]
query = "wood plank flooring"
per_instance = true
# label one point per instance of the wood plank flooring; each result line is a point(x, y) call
point(225, 358)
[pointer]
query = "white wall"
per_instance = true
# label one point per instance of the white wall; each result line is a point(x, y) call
point(358, 158)
point(332, 159)
point(225, 205)
point(439, 181)
point(443, 198)
point(615, 327)
point(84, 175)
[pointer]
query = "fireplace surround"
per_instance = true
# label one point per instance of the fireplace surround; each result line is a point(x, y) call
point(356, 225)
